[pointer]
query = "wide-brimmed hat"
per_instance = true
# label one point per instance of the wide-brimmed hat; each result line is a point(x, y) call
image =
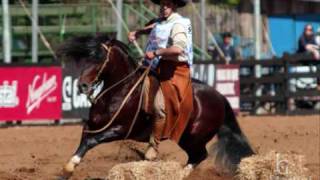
point(180, 3)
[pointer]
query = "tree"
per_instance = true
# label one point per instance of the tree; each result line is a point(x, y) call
point(226, 2)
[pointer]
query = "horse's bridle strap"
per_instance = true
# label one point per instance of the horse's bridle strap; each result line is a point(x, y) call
point(144, 74)
point(134, 87)
point(108, 49)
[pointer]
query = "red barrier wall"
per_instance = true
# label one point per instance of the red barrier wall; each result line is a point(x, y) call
point(30, 93)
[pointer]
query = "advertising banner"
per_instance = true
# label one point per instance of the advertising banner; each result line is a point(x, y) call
point(30, 93)
point(227, 82)
point(74, 104)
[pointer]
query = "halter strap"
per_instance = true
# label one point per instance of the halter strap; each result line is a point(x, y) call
point(108, 49)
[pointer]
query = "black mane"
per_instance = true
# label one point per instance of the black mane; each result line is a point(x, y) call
point(88, 47)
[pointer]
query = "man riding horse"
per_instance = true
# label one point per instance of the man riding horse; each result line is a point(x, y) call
point(169, 50)
point(113, 81)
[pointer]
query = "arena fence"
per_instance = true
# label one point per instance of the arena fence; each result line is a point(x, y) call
point(288, 85)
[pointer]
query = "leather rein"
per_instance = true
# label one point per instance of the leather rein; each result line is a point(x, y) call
point(134, 87)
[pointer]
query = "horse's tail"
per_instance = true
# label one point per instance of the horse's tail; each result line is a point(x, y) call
point(232, 145)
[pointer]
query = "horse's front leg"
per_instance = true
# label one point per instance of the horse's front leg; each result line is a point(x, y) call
point(89, 141)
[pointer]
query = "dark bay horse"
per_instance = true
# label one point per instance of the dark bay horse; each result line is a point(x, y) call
point(106, 66)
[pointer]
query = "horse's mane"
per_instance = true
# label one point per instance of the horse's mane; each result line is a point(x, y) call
point(89, 47)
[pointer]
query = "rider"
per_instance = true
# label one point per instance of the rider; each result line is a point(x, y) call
point(169, 49)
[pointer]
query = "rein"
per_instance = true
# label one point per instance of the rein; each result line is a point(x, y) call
point(134, 87)
point(108, 49)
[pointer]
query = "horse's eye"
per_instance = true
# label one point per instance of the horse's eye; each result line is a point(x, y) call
point(84, 86)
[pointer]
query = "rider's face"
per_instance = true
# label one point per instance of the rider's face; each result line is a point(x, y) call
point(167, 7)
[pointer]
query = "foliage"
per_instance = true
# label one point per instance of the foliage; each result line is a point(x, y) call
point(226, 2)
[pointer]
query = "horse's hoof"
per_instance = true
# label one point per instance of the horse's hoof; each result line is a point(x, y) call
point(189, 167)
point(67, 171)
point(69, 168)
point(62, 178)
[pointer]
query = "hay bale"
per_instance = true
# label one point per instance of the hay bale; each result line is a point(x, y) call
point(146, 170)
point(273, 166)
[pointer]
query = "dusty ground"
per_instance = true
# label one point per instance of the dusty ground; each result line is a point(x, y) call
point(39, 152)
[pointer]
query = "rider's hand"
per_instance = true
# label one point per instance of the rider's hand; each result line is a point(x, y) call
point(150, 55)
point(132, 36)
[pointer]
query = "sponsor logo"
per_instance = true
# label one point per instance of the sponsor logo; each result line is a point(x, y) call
point(36, 94)
point(71, 98)
point(8, 94)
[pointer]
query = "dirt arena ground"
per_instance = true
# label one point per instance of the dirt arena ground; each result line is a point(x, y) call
point(40, 152)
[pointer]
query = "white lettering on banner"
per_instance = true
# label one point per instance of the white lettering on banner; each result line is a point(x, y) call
point(227, 74)
point(66, 93)
point(8, 94)
point(37, 95)
point(79, 100)
point(226, 88)
point(71, 97)
point(234, 102)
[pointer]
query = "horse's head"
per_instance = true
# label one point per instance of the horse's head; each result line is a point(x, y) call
point(102, 61)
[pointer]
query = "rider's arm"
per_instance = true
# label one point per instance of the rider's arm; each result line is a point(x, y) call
point(145, 30)
point(170, 51)
point(132, 36)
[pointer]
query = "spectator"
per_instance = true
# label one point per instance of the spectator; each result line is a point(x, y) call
point(226, 47)
point(307, 42)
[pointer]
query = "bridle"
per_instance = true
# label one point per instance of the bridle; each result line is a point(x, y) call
point(134, 87)
point(108, 49)
point(96, 83)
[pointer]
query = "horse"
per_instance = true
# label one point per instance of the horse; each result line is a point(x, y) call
point(111, 78)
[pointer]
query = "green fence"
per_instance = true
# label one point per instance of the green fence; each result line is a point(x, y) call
point(60, 21)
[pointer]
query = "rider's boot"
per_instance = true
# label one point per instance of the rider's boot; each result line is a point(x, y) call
point(155, 138)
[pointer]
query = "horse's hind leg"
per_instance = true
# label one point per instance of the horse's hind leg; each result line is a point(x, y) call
point(196, 154)
point(195, 148)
